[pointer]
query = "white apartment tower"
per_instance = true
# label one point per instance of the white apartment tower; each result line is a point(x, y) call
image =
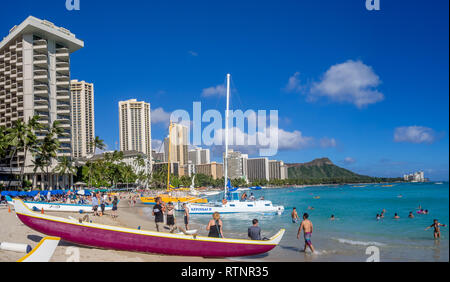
point(135, 127)
point(35, 79)
point(83, 122)
point(199, 156)
point(178, 144)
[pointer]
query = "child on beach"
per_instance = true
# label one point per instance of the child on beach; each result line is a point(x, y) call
point(307, 228)
point(437, 230)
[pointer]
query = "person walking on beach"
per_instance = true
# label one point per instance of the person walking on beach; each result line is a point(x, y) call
point(254, 231)
point(307, 228)
point(294, 215)
point(158, 213)
point(186, 216)
point(170, 217)
point(114, 207)
point(437, 230)
point(102, 206)
point(215, 226)
point(95, 204)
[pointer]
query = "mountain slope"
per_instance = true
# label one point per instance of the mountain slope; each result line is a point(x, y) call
point(320, 168)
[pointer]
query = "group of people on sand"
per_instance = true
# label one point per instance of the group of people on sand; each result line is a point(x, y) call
point(160, 208)
point(214, 226)
point(98, 199)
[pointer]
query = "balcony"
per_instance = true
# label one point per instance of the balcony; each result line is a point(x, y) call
point(40, 86)
point(63, 83)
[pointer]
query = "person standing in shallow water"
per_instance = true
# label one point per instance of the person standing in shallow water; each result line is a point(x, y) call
point(307, 228)
point(294, 215)
point(215, 226)
point(437, 230)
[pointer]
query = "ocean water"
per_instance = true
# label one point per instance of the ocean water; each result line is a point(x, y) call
point(355, 228)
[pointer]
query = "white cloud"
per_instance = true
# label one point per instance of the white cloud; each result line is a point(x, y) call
point(219, 90)
point(414, 134)
point(326, 142)
point(160, 116)
point(157, 145)
point(350, 82)
point(349, 160)
point(283, 140)
point(293, 84)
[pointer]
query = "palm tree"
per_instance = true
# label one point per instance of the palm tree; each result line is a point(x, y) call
point(98, 143)
point(39, 164)
point(15, 138)
point(50, 145)
point(64, 167)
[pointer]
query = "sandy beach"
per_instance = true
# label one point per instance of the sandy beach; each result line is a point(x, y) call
point(14, 231)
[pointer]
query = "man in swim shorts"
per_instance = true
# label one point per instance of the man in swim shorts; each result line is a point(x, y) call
point(307, 227)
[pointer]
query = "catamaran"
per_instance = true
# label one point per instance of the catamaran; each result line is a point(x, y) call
point(231, 202)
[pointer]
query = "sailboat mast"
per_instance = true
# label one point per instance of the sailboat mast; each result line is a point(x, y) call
point(226, 136)
point(168, 158)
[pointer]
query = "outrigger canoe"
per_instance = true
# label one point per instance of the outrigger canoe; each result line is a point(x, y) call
point(136, 240)
point(54, 206)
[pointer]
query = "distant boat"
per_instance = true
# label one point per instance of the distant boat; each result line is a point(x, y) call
point(136, 240)
point(388, 185)
point(439, 183)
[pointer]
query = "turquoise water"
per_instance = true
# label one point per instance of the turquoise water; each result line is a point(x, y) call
point(356, 227)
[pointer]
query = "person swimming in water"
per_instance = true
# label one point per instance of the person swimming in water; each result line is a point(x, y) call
point(411, 215)
point(378, 216)
point(437, 230)
point(307, 228)
point(332, 217)
point(396, 216)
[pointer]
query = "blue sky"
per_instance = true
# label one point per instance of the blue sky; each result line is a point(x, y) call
point(368, 89)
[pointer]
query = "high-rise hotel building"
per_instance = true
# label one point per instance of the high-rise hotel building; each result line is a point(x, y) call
point(178, 144)
point(35, 79)
point(134, 127)
point(83, 121)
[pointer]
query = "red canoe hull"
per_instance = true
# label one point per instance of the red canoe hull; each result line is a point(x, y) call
point(129, 241)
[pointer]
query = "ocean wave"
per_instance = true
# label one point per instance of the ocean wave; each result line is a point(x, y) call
point(359, 243)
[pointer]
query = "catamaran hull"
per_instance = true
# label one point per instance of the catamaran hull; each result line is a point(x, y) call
point(61, 207)
point(120, 238)
point(236, 207)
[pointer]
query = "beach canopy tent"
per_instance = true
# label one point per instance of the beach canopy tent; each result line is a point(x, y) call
point(43, 193)
point(84, 192)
